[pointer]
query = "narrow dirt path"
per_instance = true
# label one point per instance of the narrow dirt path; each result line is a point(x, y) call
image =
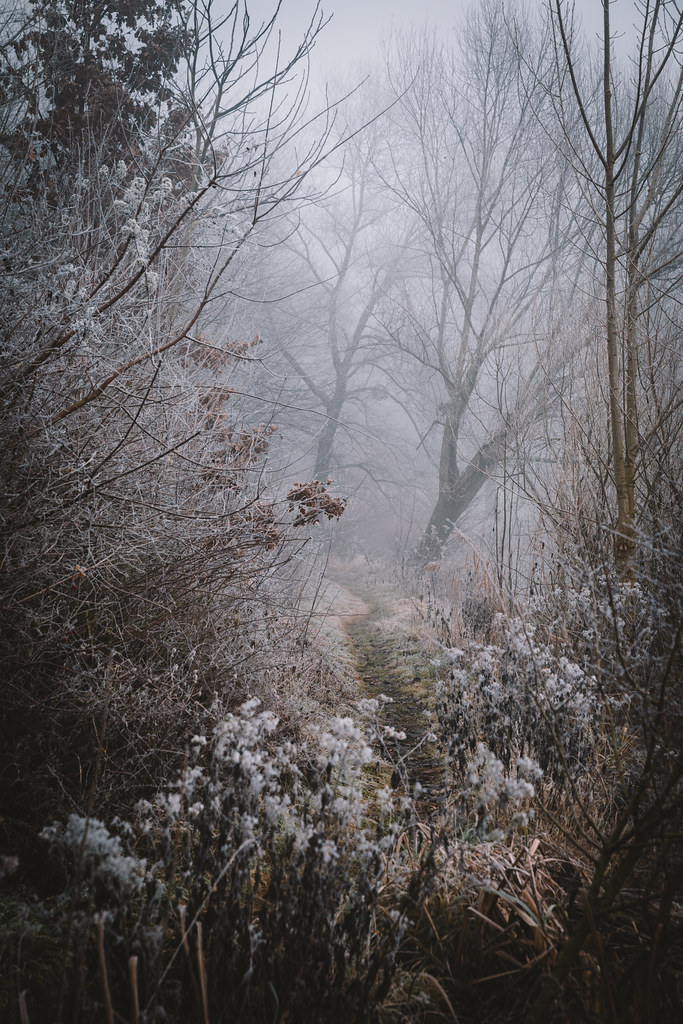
point(394, 655)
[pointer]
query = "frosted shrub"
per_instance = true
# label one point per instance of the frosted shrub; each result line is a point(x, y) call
point(521, 700)
point(621, 630)
point(273, 850)
point(577, 682)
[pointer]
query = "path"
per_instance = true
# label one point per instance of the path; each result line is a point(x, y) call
point(393, 654)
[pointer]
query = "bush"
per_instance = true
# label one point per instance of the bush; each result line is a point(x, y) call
point(244, 891)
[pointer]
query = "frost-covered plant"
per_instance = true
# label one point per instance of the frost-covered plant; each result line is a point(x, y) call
point(96, 849)
point(391, 746)
point(490, 791)
point(263, 867)
point(521, 700)
point(606, 621)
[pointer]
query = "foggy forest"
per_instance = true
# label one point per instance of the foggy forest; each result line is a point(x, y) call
point(340, 520)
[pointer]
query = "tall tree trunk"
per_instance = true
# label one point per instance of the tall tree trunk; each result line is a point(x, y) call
point(625, 532)
point(631, 419)
point(323, 454)
point(441, 521)
point(461, 491)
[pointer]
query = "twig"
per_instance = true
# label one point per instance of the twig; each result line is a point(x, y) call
point(103, 966)
point(23, 1009)
point(202, 974)
point(135, 999)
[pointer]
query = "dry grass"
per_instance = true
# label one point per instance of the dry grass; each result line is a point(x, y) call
point(488, 930)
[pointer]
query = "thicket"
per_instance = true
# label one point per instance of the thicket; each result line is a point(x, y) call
point(579, 681)
point(151, 568)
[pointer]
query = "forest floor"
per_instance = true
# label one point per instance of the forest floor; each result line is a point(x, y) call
point(389, 650)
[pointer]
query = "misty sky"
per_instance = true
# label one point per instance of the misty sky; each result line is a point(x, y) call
point(358, 26)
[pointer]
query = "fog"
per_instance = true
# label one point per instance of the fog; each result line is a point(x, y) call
point(356, 31)
point(424, 315)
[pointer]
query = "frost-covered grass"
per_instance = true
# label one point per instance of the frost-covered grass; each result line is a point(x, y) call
point(292, 874)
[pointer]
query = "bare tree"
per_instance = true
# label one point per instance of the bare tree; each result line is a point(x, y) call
point(223, 85)
point(622, 138)
point(342, 260)
point(468, 164)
